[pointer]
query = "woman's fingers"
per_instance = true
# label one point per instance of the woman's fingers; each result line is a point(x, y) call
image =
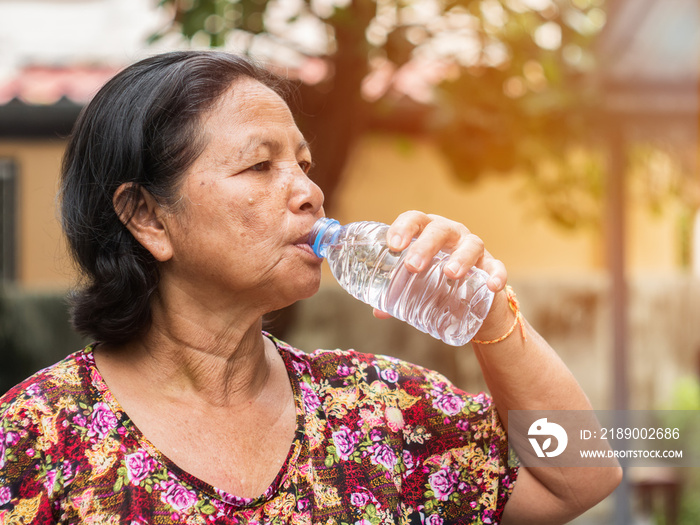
point(380, 315)
point(406, 226)
point(498, 276)
point(448, 236)
point(433, 233)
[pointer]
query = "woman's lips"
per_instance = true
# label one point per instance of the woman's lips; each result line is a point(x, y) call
point(306, 248)
point(302, 243)
point(303, 239)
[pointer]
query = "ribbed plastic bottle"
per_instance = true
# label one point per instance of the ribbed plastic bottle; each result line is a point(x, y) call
point(358, 255)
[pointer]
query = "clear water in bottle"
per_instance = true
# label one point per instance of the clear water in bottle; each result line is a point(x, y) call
point(358, 255)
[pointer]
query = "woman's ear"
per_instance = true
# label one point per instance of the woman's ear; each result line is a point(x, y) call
point(143, 217)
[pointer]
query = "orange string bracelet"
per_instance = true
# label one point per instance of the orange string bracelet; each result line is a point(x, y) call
point(515, 307)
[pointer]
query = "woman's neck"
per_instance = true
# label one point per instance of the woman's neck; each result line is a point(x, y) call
point(196, 358)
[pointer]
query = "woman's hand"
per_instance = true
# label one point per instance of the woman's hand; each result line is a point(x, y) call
point(434, 233)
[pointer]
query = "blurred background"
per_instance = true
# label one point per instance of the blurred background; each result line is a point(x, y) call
point(563, 132)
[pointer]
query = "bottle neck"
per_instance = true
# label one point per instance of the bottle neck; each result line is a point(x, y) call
point(324, 232)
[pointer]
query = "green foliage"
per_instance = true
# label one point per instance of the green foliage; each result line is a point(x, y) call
point(686, 399)
point(34, 333)
point(686, 394)
point(215, 17)
point(16, 364)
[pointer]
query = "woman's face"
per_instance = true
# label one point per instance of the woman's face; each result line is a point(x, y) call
point(247, 206)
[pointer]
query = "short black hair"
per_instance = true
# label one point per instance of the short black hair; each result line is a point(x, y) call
point(143, 128)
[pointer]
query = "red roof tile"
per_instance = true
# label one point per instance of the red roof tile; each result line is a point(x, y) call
point(45, 85)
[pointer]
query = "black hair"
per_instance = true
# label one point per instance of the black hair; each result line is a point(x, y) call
point(142, 128)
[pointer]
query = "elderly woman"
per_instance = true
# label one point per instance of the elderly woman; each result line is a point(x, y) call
point(186, 202)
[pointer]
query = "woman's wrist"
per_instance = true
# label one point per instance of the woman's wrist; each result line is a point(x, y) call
point(503, 321)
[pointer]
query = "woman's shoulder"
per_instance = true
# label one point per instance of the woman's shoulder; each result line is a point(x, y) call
point(338, 362)
point(44, 390)
point(350, 367)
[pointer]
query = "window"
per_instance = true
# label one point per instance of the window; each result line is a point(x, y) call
point(8, 220)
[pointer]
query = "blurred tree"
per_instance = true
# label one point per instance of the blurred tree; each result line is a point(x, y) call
point(499, 83)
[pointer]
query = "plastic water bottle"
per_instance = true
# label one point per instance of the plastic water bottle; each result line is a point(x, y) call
point(448, 309)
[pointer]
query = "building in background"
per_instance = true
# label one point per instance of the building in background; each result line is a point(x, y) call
point(54, 55)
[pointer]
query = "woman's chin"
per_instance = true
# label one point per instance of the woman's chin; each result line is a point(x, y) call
point(311, 288)
point(289, 297)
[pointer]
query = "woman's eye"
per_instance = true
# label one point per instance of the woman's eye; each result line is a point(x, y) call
point(261, 166)
point(305, 166)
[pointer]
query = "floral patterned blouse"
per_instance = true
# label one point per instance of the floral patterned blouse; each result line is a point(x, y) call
point(378, 441)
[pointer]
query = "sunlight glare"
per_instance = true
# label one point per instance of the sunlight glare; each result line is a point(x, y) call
point(548, 36)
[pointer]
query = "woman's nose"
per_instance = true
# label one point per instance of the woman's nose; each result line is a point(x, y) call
point(308, 197)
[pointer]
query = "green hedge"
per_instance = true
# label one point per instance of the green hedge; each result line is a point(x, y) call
point(34, 333)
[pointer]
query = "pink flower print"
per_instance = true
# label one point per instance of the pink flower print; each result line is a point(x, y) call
point(370, 418)
point(33, 391)
point(463, 425)
point(178, 497)
point(5, 495)
point(11, 438)
point(443, 483)
point(408, 461)
point(383, 455)
point(481, 398)
point(68, 471)
point(300, 368)
point(6, 440)
point(139, 466)
point(389, 375)
point(102, 421)
point(79, 420)
point(449, 404)
point(394, 418)
point(344, 370)
point(434, 519)
point(345, 441)
point(359, 499)
point(230, 499)
point(50, 481)
point(311, 401)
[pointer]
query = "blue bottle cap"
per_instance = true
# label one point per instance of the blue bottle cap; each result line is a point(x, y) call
point(322, 224)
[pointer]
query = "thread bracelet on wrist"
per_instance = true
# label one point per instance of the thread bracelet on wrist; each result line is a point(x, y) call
point(519, 320)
